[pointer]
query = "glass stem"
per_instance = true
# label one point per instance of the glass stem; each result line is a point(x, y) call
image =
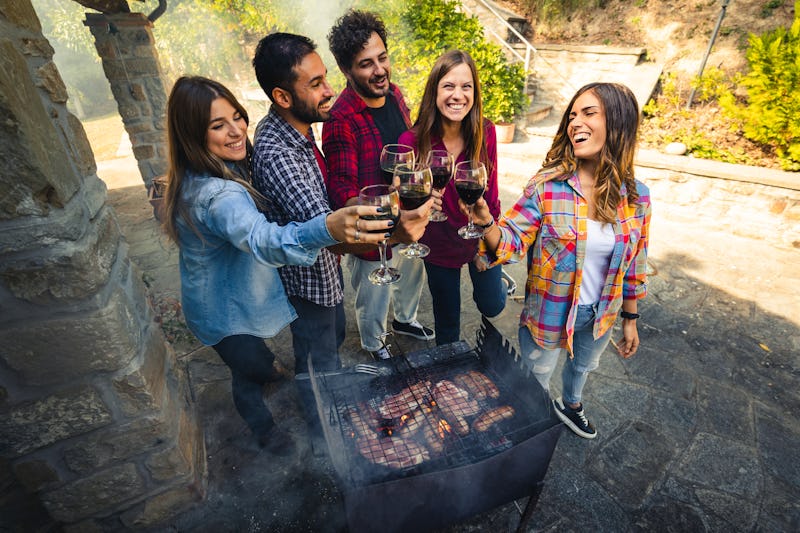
point(382, 251)
point(469, 210)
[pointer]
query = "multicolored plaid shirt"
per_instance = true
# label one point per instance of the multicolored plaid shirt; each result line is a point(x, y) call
point(550, 218)
point(286, 172)
point(352, 145)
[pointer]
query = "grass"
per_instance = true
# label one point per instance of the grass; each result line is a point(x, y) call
point(104, 134)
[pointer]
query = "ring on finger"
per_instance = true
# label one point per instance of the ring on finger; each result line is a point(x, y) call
point(358, 235)
point(357, 228)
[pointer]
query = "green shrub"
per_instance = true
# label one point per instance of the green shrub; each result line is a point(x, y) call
point(436, 26)
point(769, 111)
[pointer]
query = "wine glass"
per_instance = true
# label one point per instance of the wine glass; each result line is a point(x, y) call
point(441, 164)
point(386, 197)
point(470, 180)
point(393, 155)
point(414, 185)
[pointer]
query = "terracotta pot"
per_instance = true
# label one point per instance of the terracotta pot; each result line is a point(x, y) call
point(505, 132)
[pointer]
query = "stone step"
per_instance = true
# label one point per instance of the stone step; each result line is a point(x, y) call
point(537, 111)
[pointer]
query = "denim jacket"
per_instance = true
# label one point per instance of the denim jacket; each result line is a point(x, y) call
point(229, 277)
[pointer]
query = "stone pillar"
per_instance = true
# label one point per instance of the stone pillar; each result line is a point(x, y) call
point(127, 49)
point(96, 421)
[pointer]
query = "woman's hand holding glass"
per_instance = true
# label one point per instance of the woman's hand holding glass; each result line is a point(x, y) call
point(358, 224)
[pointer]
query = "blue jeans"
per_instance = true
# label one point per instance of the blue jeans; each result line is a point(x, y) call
point(317, 332)
point(488, 292)
point(587, 352)
point(250, 362)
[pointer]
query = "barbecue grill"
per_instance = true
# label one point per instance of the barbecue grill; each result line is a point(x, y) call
point(417, 446)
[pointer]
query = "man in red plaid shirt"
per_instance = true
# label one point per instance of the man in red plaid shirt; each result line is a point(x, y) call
point(369, 114)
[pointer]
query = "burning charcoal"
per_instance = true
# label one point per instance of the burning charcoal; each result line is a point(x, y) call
point(404, 401)
point(433, 438)
point(393, 452)
point(477, 384)
point(491, 417)
point(457, 422)
point(409, 424)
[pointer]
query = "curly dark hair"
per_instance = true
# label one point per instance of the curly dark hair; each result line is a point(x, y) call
point(351, 32)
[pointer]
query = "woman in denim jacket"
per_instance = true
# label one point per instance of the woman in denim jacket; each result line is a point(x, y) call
point(231, 293)
point(584, 221)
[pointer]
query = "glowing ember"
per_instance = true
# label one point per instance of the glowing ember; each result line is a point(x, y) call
point(444, 428)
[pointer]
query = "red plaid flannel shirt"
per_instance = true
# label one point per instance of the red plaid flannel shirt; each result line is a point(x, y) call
point(352, 145)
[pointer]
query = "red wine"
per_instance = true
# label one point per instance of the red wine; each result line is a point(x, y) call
point(412, 196)
point(469, 191)
point(384, 216)
point(440, 178)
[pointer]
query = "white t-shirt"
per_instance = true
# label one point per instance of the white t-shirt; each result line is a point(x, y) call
point(599, 246)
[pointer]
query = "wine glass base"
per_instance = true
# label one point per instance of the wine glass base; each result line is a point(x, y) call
point(415, 250)
point(437, 216)
point(470, 232)
point(384, 276)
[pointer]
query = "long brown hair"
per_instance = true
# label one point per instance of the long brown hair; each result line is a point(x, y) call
point(188, 116)
point(616, 157)
point(429, 119)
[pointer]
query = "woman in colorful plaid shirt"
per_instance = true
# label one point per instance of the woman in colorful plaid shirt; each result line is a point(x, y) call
point(583, 221)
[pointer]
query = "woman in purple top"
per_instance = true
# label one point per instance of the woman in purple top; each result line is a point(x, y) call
point(450, 118)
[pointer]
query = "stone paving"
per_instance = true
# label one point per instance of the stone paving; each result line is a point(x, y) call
point(697, 432)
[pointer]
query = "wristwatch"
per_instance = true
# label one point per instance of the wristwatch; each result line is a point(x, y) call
point(487, 225)
point(629, 316)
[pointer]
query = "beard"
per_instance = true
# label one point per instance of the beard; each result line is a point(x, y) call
point(307, 113)
point(366, 91)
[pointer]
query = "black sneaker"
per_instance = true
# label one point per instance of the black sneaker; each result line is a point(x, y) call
point(575, 420)
point(413, 329)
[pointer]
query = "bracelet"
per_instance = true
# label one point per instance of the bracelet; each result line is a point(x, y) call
point(629, 316)
point(487, 225)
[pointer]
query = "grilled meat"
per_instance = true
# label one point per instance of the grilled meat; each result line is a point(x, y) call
point(393, 452)
point(477, 384)
point(405, 401)
point(492, 416)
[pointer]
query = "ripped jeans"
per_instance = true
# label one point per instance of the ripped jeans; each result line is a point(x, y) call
point(587, 351)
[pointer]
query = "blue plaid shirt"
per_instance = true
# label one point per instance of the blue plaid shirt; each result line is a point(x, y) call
point(286, 172)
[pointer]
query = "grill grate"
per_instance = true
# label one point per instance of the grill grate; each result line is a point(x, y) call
point(426, 416)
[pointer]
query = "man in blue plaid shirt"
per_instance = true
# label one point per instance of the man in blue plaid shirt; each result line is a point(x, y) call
point(289, 170)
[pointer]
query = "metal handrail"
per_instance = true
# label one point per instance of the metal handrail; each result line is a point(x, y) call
point(530, 51)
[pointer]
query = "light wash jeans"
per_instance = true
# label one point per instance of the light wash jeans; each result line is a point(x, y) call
point(587, 351)
point(372, 301)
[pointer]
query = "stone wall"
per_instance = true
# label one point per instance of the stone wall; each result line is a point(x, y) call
point(126, 46)
point(96, 422)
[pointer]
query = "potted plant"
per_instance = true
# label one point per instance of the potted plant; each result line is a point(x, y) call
point(504, 97)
